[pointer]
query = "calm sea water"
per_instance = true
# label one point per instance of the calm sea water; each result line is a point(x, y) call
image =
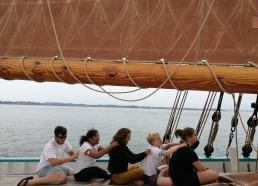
point(26, 129)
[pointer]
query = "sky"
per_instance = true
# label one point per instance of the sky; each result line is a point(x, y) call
point(19, 90)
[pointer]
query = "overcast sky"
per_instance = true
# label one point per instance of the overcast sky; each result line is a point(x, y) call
point(17, 90)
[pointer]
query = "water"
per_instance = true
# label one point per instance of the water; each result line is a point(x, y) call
point(26, 129)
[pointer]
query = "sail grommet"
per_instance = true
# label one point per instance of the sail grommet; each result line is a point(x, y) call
point(248, 63)
point(204, 61)
point(162, 60)
point(124, 59)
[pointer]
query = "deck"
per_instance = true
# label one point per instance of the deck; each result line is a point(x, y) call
point(13, 180)
point(12, 170)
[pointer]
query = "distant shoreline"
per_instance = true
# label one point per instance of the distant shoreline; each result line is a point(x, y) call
point(83, 105)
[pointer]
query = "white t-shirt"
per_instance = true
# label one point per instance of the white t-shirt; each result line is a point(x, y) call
point(53, 150)
point(83, 161)
point(151, 162)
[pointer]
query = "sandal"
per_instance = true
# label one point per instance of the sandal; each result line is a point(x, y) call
point(26, 181)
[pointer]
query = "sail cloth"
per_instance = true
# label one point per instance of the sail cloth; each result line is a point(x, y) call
point(237, 179)
point(142, 30)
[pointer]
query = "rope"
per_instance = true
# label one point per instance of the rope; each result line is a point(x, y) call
point(251, 63)
point(24, 71)
point(53, 70)
point(206, 118)
point(215, 77)
point(168, 132)
point(180, 111)
point(205, 113)
point(126, 70)
point(214, 128)
point(234, 121)
point(166, 70)
point(87, 75)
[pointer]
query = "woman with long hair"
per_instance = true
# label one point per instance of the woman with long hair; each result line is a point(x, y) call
point(185, 167)
point(120, 156)
point(90, 150)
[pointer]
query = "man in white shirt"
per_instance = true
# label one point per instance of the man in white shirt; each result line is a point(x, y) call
point(50, 169)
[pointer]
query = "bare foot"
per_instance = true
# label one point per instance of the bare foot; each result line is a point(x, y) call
point(138, 182)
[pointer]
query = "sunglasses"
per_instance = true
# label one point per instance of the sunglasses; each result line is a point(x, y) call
point(62, 137)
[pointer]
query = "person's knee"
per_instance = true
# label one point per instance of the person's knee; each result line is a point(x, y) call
point(140, 171)
point(215, 176)
point(61, 179)
point(71, 172)
point(164, 181)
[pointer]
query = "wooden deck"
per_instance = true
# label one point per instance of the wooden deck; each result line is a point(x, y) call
point(13, 180)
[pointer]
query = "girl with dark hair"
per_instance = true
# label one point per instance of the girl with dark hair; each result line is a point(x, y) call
point(185, 167)
point(90, 150)
point(120, 156)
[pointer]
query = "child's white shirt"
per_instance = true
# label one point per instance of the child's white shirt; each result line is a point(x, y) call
point(151, 162)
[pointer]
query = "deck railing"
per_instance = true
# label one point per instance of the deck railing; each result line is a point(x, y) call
point(27, 165)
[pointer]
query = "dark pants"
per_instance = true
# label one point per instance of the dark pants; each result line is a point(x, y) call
point(87, 174)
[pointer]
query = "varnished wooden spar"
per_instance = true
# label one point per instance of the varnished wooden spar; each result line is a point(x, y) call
point(146, 75)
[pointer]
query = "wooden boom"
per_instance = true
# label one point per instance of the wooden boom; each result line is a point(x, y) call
point(234, 79)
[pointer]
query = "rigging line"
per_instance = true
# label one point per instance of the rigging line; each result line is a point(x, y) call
point(13, 3)
point(237, 148)
point(126, 70)
point(24, 71)
point(205, 113)
point(170, 125)
point(172, 115)
point(180, 111)
point(166, 70)
point(92, 82)
point(245, 130)
point(53, 70)
point(209, 109)
point(181, 107)
point(215, 77)
point(234, 120)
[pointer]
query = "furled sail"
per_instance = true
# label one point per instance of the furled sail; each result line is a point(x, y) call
point(225, 33)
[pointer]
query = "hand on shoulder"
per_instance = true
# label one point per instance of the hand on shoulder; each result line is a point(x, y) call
point(148, 151)
point(75, 155)
point(114, 144)
point(182, 145)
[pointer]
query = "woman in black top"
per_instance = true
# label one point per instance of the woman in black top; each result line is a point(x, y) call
point(185, 168)
point(119, 158)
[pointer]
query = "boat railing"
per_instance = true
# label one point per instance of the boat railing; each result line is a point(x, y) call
point(27, 165)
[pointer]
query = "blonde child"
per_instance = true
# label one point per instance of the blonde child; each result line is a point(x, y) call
point(155, 173)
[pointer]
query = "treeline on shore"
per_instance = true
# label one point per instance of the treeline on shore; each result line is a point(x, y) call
point(82, 105)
